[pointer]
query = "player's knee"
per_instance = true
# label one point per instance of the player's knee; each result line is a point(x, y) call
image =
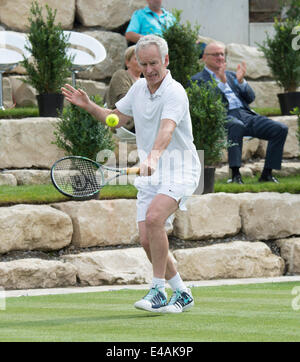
point(153, 219)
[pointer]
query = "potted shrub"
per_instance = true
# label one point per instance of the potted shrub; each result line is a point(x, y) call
point(78, 133)
point(284, 62)
point(184, 52)
point(209, 117)
point(48, 68)
point(290, 8)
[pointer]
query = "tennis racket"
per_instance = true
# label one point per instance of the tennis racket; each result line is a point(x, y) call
point(80, 178)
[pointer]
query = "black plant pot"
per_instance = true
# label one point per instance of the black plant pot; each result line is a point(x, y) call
point(209, 180)
point(288, 101)
point(50, 105)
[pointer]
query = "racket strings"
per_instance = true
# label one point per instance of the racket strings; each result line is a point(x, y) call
point(78, 178)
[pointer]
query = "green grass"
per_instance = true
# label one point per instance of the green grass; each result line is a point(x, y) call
point(19, 112)
point(23, 112)
point(289, 184)
point(43, 194)
point(30, 194)
point(267, 111)
point(257, 312)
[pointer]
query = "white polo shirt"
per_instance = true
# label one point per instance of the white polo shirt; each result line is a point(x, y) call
point(180, 162)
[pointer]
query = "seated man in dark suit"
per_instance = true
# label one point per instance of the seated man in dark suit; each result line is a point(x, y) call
point(242, 121)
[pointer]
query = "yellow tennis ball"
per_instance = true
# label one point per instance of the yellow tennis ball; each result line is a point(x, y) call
point(112, 120)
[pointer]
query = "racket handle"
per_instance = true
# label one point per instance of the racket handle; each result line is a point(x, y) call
point(133, 171)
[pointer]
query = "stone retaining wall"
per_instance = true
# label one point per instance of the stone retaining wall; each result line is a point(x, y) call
point(28, 143)
point(228, 236)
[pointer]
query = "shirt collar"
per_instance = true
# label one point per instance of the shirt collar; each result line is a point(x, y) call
point(148, 10)
point(165, 83)
point(210, 72)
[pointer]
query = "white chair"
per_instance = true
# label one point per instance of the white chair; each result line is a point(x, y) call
point(87, 51)
point(12, 51)
point(125, 136)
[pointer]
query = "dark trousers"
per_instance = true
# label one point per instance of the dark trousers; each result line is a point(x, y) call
point(242, 122)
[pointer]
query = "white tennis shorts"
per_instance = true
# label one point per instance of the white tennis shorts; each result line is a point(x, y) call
point(146, 194)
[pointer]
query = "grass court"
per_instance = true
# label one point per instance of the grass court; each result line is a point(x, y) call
point(240, 313)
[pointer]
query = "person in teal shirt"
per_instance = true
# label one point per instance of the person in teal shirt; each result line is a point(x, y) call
point(149, 20)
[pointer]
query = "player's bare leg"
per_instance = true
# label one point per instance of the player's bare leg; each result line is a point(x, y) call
point(154, 240)
point(161, 207)
point(170, 268)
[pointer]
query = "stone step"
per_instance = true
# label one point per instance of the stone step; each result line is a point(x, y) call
point(216, 219)
point(231, 260)
point(109, 223)
point(16, 177)
point(28, 143)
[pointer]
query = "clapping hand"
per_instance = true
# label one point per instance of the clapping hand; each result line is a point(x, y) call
point(240, 72)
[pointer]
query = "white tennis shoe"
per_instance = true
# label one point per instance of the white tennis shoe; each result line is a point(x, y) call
point(181, 301)
point(154, 301)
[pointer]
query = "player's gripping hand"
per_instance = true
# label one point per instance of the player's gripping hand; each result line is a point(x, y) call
point(148, 167)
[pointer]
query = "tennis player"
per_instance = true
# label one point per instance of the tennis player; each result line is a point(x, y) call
point(169, 163)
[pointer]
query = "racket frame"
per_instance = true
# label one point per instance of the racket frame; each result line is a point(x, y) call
point(119, 172)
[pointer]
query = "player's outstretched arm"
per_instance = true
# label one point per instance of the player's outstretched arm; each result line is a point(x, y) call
point(79, 98)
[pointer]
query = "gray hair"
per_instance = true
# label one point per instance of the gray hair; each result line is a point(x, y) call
point(151, 39)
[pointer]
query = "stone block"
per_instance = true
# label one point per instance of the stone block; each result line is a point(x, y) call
point(109, 14)
point(269, 215)
point(208, 216)
point(290, 252)
point(16, 17)
point(36, 273)
point(27, 143)
point(102, 223)
point(124, 266)
point(34, 227)
point(238, 259)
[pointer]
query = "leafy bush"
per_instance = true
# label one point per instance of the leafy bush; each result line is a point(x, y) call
point(282, 59)
point(296, 111)
point(50, 67)
point(208, 115)
point(78, 133)
point(291, 8)
point(184, 53)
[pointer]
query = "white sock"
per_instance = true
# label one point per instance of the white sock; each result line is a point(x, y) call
point(158, 282)
point(177, 283)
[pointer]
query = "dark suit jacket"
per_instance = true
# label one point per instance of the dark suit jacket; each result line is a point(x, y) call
point(246, 97)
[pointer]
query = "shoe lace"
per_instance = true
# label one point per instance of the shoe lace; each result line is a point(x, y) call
point(175, 297)
point(152, 294)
